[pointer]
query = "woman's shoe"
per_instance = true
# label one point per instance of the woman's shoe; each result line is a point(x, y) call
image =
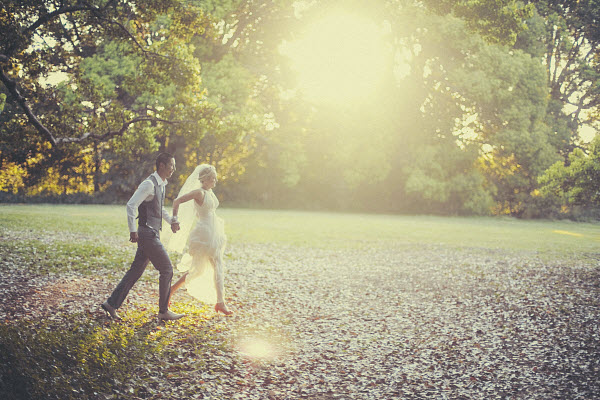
point(223, 308)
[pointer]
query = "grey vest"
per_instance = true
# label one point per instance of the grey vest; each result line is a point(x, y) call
point(150, 212)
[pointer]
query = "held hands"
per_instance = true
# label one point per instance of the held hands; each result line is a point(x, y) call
point(175, 224)
point(133, 237)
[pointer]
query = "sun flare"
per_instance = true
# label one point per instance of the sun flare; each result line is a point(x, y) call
point(340, 57)
point(256, 347)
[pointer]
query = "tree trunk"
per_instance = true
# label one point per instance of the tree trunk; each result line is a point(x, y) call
point(97, 165)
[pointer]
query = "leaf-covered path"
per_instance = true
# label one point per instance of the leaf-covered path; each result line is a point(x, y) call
point(372, 323)
point(422, 323)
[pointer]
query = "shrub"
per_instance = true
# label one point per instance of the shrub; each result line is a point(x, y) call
point(77, 360)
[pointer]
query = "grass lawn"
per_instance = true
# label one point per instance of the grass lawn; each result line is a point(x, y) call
point(107, 224)
point(59, 261)
point(316, 229)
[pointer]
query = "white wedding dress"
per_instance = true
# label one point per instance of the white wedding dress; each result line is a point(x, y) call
point(204, 257)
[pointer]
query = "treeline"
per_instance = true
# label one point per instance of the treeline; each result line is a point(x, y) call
point(485, 116)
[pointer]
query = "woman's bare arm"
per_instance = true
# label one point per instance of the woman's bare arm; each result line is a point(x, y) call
point(197, 195)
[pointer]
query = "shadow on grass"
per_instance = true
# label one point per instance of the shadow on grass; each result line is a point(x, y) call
point(82, 356)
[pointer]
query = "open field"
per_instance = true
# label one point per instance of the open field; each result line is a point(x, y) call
point(328, 306)
point(329, 230)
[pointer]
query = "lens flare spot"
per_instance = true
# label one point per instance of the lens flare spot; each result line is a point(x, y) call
point(255, 347)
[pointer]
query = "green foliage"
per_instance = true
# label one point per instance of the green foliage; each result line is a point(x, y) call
point(112, 73)
point(478, 117)
point(563, 36)
point(498, 21)
point(219, 9)
point(110, 68)
point(504, 93)
point(416, 144)
point(74, 360)
point(229, 84)
point(573, 186)
point(531, 39)
point(444, 181)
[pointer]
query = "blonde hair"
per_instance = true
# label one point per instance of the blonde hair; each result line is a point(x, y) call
point(206, 170)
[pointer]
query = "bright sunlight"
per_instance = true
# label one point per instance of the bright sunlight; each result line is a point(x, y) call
point(256, 347)
point(339, 58)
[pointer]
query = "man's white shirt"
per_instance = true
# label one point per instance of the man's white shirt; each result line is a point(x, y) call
point(144, 192)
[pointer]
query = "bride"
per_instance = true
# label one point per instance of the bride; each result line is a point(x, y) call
point(202, 259)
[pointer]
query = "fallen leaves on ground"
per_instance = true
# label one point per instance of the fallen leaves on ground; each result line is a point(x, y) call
point(362, 323)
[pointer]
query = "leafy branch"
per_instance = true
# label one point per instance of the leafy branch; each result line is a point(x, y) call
point(100, 14)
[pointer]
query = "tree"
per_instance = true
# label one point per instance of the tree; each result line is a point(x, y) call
point(497, 21)
point(123, 68)
point(565, 37)
point(41, 38)
point(568, 188)
point(471, 100)
point(411, 152)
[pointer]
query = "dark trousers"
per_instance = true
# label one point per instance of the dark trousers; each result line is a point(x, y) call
point(150, 249)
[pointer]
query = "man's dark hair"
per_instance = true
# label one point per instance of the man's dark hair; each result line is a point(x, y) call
point(163, 158)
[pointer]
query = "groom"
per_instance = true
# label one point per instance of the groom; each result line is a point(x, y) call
point(148, 199)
